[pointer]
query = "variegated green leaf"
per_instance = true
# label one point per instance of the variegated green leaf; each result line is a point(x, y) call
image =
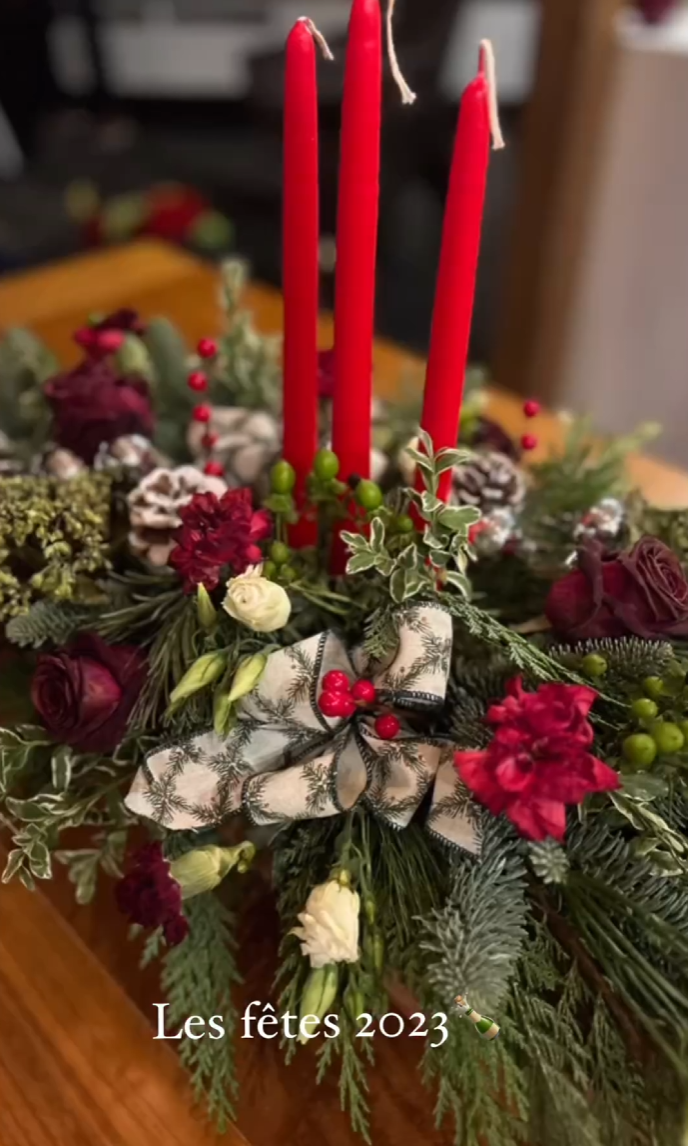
point(360, 562)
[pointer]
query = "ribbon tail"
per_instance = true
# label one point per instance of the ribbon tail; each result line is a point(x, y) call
point(453, 816)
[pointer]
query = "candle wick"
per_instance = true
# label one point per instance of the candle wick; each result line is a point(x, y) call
point(317, 36)
point(407, 95)
point(488, 68)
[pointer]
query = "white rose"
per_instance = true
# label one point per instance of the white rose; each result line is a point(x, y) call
point(329, 931)
point(257, 602)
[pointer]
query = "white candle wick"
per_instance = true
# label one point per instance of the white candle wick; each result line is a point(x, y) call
point(487, 65)
point(407, 95)
point(317, 36)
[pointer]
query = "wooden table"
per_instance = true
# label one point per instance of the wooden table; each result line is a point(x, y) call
point(77, 1060)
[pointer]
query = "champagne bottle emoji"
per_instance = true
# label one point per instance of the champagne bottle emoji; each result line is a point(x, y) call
point(486, 1028)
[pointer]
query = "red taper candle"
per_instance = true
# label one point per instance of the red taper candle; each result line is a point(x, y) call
point(357, 214)
point(300, 282)
point(455, 289)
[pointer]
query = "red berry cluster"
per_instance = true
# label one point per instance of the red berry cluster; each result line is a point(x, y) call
point(340, 698)
point(207, 348)
point(531, 409)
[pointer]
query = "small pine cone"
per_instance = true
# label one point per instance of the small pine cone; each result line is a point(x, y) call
point(248, 442)
point(154, 508)
point(131, 452)
point(489, 481)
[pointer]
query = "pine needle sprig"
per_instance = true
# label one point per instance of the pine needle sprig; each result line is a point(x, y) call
point(473, 942)
point(197, 979)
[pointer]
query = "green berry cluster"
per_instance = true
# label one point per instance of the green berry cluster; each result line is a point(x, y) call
point(660, 714)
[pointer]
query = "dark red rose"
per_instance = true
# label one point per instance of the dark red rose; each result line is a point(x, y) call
point(654, 11)
point(125, 319)
point(489, 435)
point(85, 693)
point(150, 896)
point(93, 404)
point(217, 532)
point(172, 212)
point(643, 591)
point(539, 759)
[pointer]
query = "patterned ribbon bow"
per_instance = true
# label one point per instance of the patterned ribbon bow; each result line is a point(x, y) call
point(284, 760)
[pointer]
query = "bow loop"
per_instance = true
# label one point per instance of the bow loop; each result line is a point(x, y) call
point(285, 760)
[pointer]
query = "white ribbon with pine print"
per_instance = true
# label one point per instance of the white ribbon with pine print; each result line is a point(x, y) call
point(284, 760)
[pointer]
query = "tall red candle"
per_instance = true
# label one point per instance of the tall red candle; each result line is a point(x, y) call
point(300, 263)
point(357, 213)
point(455, 289)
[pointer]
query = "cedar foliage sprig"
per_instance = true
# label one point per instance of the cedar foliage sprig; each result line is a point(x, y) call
point(197, 979)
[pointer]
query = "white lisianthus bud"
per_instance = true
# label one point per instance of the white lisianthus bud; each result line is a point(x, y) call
point(329, 925)
point(203, 869)
point(254, 601)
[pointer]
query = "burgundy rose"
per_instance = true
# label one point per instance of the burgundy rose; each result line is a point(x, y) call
point(654, 11)
point(92, 404)
point(125, 319)
point(539, 759)
point(490, 435)
point(150, 896)
point(85, 693)
point(643, 591)
point(217, 532)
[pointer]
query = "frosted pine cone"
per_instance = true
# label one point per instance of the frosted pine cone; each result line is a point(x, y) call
point(248, 442)
point(489, 481)
point(154, 508)
point(131, 452)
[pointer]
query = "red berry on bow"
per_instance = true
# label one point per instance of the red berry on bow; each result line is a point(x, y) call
point(388, 726)
point(207, 348)
point(529, 442)
point(336, 704)
point(214, 469)
point(364, 691)
point(531, 408)
point(202, 413)
point(197, 380)
point(209, 440)
point(336, 681)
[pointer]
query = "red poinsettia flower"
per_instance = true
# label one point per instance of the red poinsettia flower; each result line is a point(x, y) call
point(539, 759)
point(150, 896)
point(217, 532)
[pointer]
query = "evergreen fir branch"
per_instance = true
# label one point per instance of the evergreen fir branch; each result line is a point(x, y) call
point(481, 1086)
point(519, 652)
point(584, 472)
point(48, 623)
point(628, 658)
point(353, 1084)
point(474, 940)
point(197, 977)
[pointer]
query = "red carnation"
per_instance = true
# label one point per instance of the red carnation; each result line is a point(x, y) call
point(92, 404)
point(539, 759)
point(217, 532)
point(150, 896)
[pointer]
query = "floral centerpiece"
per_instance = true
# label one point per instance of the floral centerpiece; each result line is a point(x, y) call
point(446, 695)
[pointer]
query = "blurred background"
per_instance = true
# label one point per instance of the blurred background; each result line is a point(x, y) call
point(164, 116)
